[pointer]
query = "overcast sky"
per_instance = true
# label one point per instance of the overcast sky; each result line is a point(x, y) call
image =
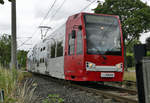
point(30, 14)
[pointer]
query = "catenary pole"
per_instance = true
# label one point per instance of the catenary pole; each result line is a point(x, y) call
point(13, 33)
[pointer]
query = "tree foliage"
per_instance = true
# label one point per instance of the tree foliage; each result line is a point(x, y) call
point(129, 48)
point(21, 57)
point(134, 16)
point(5, 50)
point(2, 1)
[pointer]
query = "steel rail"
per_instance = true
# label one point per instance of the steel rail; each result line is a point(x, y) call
point(133, 92)
point(107, 94)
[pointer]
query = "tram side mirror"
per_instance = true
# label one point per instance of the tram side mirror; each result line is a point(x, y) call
point(73, 34)
point(80, 27)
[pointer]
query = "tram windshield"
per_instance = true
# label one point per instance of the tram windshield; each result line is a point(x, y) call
point(103, 35)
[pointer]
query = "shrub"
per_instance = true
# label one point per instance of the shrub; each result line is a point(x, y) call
point(15, 91)
point(53, 98)
point(130, 61)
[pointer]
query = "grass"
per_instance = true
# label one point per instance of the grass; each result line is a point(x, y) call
point(131, 68)
point(53, 98)
point(148, 53)
point(15, 90)
point(129, 54)
point(129, 76)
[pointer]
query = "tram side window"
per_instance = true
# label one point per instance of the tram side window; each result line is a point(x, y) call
point(59, 49)
point(43, 48)
point(49, 51)
point(71, 47)
point(53, 51)
point(79, 42)
point(37, 63)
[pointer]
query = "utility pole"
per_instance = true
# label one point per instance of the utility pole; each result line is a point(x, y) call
point(13, 33)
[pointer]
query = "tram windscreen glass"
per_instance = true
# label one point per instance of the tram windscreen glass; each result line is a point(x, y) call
point(103, 35)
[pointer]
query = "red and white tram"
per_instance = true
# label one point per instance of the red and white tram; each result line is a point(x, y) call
point(89, 47)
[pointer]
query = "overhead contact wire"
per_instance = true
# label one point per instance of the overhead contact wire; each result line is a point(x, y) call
point(39, 25)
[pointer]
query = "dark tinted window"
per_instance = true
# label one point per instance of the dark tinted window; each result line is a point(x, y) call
point(43, 48)
point(53, 50)
point(59, 49)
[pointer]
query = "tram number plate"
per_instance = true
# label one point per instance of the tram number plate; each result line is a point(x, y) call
point(111, 75)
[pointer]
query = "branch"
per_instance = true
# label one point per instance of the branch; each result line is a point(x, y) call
point(131, 40)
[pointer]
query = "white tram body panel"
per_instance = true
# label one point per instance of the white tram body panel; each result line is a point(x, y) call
point(42, 59)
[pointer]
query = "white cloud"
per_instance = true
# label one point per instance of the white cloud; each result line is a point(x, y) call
point(40, 9)
point(5, 19)
point(144, 36)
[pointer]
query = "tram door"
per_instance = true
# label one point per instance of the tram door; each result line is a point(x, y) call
point(70, 57)
point(79, 58)
point(74, 55)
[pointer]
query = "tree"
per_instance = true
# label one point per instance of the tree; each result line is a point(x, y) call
point(13, 32)
point(21, 57)
point(2, 1)
point(134, 16)
point(129, 48)
point(5, 50)
point(129, 53)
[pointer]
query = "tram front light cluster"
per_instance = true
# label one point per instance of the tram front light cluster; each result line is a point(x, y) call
point(119, 66)
point(90, 65)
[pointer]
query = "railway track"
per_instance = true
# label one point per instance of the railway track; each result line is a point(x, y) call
point(113, 93)
point(118, 94)
point(127, 82)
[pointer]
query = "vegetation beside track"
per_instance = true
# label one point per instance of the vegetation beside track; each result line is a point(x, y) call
point(53, 98)
point(130, 75)
point(15, 91)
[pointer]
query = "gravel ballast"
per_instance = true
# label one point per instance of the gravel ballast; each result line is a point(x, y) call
point(69, 94)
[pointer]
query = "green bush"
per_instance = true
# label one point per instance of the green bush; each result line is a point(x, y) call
point(130, 60)
point(53, 98)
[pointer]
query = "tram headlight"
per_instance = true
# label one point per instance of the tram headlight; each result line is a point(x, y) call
point(90, 65)
point(119, 66)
